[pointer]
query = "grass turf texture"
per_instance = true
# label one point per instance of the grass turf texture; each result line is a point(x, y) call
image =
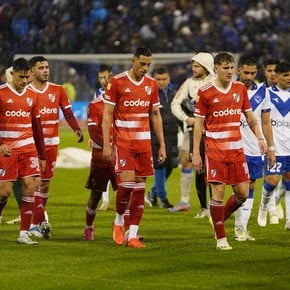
point(180, 250)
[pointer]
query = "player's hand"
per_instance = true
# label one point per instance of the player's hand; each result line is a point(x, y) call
point(197, 162)
point(79, 135)
point(271, 158)
point(5, 150)
point(107, 153)
point(263, 146)
point(42, 165)
point(161, 154)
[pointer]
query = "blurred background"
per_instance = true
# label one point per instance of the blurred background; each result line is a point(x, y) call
point(77, 36)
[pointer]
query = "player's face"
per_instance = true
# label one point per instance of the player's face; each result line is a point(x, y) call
point(247, 74)
point(162, 81)
point(20, 79)
point(140, 66)
point(225, 71)
point(270, 74)
point(199, 72)
point(283, 80)
point(103, 78)
point(40, 71)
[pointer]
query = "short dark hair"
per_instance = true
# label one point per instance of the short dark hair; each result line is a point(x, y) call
point(104, 67)
point(21, 64)
point(247, 60)
point(223, 57)
point(282, 66)
point(161, 70)
point(270, 61)
point(36, 59)
point(143, 51)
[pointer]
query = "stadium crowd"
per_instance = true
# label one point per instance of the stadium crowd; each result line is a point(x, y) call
point(116, 26)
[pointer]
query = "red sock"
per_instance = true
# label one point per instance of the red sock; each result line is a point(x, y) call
point(26, 210)
point(232, 205)
point(137, 204)
point(38, 211)
point(90, 216)
point(123, 196)
point(217, 215)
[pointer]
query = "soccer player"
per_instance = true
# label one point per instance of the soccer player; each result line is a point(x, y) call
point(101, 171)
point(280, 114)
point(260, 102)
point(21, 142)
point(275, 208)
point(104, 74)
point(218, 110)
point(202, 68)
point(51, 98)
point(170, 129)
point(131, 99)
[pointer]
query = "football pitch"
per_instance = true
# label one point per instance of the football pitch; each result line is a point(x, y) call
point(179, 254)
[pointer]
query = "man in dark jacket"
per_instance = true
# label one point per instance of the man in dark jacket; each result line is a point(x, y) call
point(170, 128)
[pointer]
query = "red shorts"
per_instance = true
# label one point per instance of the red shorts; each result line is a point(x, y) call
point(227, 173)
point(51, 155)
point(18, 166)
point(101, 172)
point(140, 163)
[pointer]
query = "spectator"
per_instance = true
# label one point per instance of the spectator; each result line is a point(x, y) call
point(170, 129)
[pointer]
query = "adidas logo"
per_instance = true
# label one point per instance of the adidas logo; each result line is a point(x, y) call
point(127, 90)
point(216, 100)
point(9, 101)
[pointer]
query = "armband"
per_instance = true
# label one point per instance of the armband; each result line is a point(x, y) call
point(271, 148)
point(261, 139)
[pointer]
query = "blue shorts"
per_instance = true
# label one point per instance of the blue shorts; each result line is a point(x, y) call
point(282, 165)
point(255, 165)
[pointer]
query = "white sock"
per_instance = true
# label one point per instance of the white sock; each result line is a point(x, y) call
point(185, 184)
point(133, 230)
point(272, 205)
point(279, 191)
point(238, 217)
point(105, 195)
point(23, 233)
point(265, 197)
point(247, 210)
point(119, 219)
point(243, 213)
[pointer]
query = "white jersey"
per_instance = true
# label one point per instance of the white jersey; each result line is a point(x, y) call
point(280, 119)
point(260, 102)
point(188, 89)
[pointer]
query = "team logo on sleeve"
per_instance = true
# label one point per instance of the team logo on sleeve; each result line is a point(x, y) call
point(236, 97)
point(29, 102)
point(148, 90)
point(51, 97)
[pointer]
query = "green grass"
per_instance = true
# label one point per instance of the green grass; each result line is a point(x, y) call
point(180, 250)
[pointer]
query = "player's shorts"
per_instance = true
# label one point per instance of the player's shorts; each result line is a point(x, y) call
point(99, 178)
point(140, 163)
point(101, 172)
point(51, 155)
point(255, 166)
point(281, 166)
point(226, 173)
point(18, 166)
